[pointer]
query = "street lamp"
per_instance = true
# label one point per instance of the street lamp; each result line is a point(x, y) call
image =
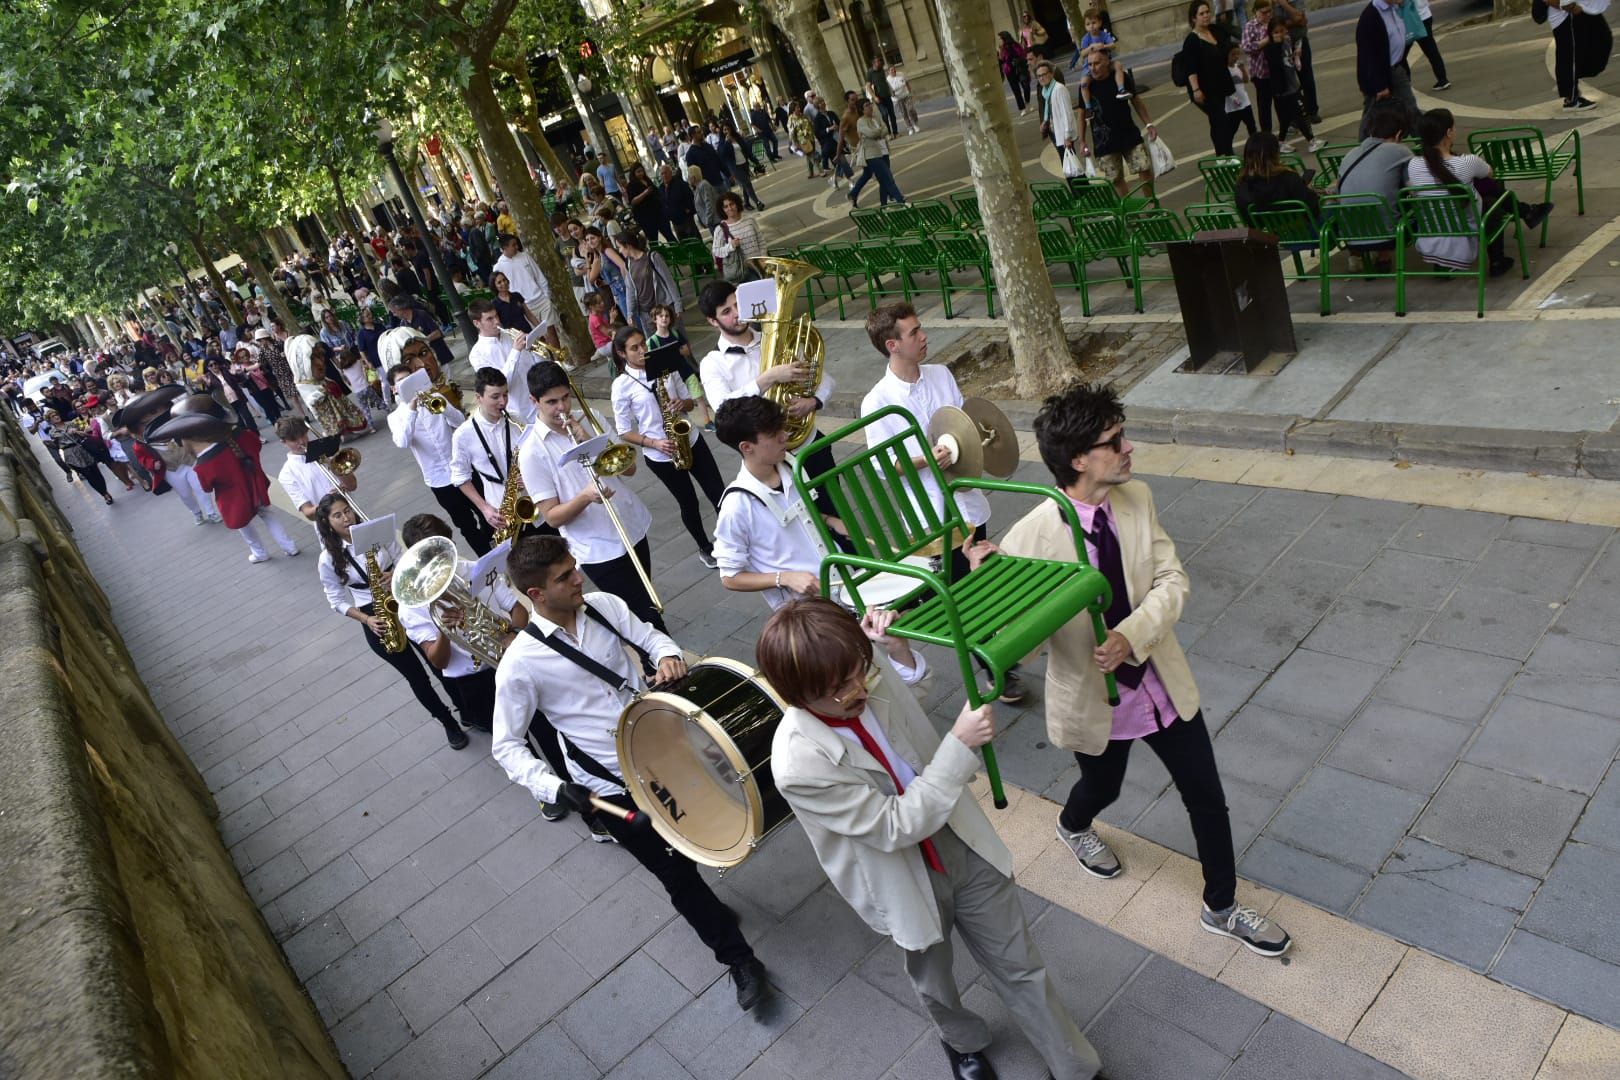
point(385, 143)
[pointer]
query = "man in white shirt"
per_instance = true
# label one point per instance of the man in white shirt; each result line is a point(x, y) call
point(922, 389)
point(571, 503)
point(482, 450)
point(428, 436)
point(571, 662)
point(525, 278)
point(304, 481)
point(508, 354)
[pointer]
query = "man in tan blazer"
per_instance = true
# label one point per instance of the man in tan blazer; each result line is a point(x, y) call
point(1081, 435)
point(885, 802)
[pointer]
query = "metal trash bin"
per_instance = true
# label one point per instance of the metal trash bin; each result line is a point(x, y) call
point(1234, 303)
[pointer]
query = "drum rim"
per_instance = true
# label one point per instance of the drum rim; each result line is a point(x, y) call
point(648, 803)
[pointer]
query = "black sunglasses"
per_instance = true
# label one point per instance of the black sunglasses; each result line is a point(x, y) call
point(1116, 444)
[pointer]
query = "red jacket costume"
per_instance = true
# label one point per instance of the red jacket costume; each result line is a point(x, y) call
point(235, 478)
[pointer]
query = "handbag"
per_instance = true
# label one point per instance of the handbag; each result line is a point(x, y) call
point(1415, 30)
point(732, 265)
point(1161, 157)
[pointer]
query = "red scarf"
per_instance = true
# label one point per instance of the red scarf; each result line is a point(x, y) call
point(929, 853)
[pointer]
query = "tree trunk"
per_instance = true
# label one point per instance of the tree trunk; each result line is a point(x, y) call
point(1075, 11)
point(797, 21)
point(215, 280)
point(250, 257)
point(530, 117)
point(368, 257)
point(527, 210)
point(1041, 359)
point(475, 167)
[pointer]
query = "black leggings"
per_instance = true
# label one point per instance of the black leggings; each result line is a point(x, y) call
point(92, 476)
point(409, 665)
point(267, 402)
point(1185, 749)
point(1291, 114)
point(707, 474)
point(1220, 128)
point(1431, 50)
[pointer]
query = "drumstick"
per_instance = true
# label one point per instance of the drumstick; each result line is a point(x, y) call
point(629, 817)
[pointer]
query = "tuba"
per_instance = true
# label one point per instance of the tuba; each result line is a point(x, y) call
point(676, 426)
point(426, 575)
point(385, 606)
point(786, 340)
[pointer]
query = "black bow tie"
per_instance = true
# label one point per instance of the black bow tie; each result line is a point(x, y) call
point(736, 349)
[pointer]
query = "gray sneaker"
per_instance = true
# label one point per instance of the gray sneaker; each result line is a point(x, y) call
point(1257, 933)
point(1095, 857)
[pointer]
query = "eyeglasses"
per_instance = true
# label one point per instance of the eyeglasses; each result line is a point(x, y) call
point(866, 681)
point(1116, 444)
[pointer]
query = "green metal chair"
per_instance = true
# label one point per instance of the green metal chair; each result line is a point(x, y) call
point(1057, 246)
point(1297, 229)
point(1449, 210)
point(959, 251)
point(900, 220)
point(1153, 231)
point(899, 260)
point(994, 616)
point(1100, 237)
point(828, 284)
point(932, 216)
point(1328, 160)
point(1352, 220)
point(870, 223)
point(843, 260)
point(1220, 178)
point(1052, 199)
point(692, 256)
point(1211, 217)
point(1521, 153)
point(965, 205)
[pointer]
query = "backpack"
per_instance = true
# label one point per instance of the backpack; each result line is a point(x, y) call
point(1538, 11)
point(1178, 66)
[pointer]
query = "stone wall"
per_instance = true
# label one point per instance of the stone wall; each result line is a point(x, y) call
point(130, 948)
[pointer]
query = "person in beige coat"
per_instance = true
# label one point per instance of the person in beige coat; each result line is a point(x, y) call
point(1081, 435)
point(885, 802)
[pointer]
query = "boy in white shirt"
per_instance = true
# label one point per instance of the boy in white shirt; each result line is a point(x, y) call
point(304, 481)
point(428, 436)
point(511, 357)
point(484, 449)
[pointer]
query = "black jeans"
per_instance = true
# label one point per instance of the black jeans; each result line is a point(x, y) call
point(464, 516)
point(409, 665)
point(267, 402)
point(619, 577)
point(474, 697)
point(1291, 114)
point(886, 110)
point(1564, 59)
point(1431, 50)
point(56, 456)
point(1020, 88)
point(1185, 749)
point(92, 476)
point(1220, 129)
point(679, 483)
point(694, 901)
point(1307, 75)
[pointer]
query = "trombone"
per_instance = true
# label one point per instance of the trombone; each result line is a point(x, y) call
point(343, 463)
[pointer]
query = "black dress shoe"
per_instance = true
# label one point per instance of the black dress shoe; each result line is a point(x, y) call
point(751, 985)
point(454, 735)
point(974, 1066)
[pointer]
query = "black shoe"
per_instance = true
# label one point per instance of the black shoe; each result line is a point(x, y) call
point(454, 735)
point(553, 811)
point(1314, 118)
point(974, 1066)
point(1443, 84)
point(1012, 689)
point(751, 985)
point(1577, 102)
point(1533, 214)
point(1500, 268)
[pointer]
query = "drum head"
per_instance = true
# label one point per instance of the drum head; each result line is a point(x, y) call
point(685, 770)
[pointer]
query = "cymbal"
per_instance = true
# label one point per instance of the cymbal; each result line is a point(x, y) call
point(985, 440)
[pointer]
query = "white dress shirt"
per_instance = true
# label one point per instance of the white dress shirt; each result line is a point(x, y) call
point(346, 586)
point(523, 273)
point(304, 481)
point(581, 706)
point(427, 436)
point(635, 408)
point(935, 387)
point(420, 627)
point(732, 370)
point(485, 458)
point(497, 352)
point(763, 530)
point(591, 536)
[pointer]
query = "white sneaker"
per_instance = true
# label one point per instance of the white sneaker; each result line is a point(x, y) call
point(198, 519)
point(832, 181)
point(1316, 144)
point(258, 558)
point(215, 519)
point(289, 553)
point(1286, 147)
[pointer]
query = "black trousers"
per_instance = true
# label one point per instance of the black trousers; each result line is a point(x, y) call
point(1431, 50)
point(1262, 100)
point(1019, 81)
point(886, 110)
point(464, 516)
point(1291, 114)
point(716, 924)
point(56, 456)
point(1564, 59)
point(1307, 76)
point(1185, 749)
point(244, 415)
point(410, 667)
point(619, 577)
point(474, 697)
point(707, 474)
point(267, 402)
point(1220, 129)
point(92, 476)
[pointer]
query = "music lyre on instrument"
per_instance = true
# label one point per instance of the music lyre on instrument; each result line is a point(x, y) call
point(695, 756)
point(590, 454)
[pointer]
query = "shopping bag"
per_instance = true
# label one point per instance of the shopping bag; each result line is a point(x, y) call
point(1163, 160)
point(1071, 164)
point(1090, 166)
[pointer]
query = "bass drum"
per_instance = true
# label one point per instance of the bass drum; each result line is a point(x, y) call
point(696, 759)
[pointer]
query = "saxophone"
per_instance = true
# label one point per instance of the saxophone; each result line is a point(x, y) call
point(516, 507)
point(384, 606)
point(677, 427)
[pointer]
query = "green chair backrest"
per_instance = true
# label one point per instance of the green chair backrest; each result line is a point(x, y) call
point(1359, 218)
point(1155, 228)
point(1290, 221)
point(917, 252)
point(1101, 235)
point(1211, 217)
point(1517, 150)
point(1329, 158)
point(966, 205)
point(1439, 210)
point(1051, 198)
point(1220, 177)
point(961, 248)
point(1057, 242)
point(932, 215)
point(899, 219)
point(870, 224)
point(842, 258)
point(1092, 195)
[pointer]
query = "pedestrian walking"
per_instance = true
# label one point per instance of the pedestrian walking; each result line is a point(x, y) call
point(904, 101)
point(1256, 36)
point(872, 154)
point(1381, 68)
point(1014, 61)
point(1430, 47)
point(1204, 55)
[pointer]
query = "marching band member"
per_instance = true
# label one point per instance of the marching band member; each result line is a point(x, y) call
point(428, 436)
point(304, 481)
point(511, 358)
point(228, 468)
point(348, 589)
point(165, 462)
point(571, 503)
point(640, 420)
point(764, 541)
point(571, 662)
point(331, 410)
point(921, 389)
point(885, 802)
point(1081, 434)
point(481, 450)
point(470, 684)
